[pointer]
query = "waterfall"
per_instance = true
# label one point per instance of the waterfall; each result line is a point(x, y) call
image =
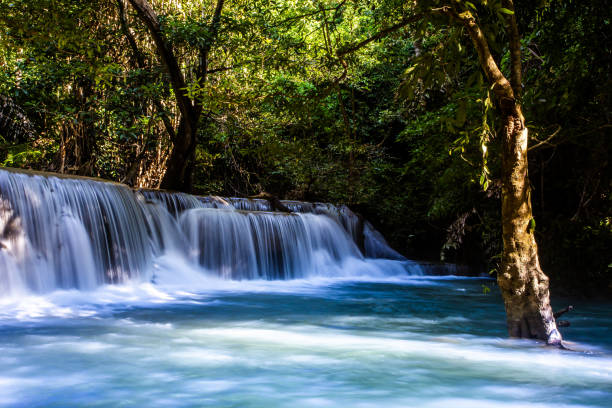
point(62, 233)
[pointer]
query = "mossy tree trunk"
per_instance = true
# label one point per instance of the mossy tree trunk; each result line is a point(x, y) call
point(523, 284)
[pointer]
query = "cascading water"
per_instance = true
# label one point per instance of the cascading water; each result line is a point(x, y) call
point(362, 232)
point(81, 233)
point(221, 297)
point(265, 245)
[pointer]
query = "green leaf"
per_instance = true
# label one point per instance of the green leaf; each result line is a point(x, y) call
point(409, 70)
point(506, 11)
point(531, 227)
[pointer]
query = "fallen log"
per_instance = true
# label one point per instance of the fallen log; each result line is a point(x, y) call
point(275, 203)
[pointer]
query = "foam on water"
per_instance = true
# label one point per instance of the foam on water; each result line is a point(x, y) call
point(327, 341)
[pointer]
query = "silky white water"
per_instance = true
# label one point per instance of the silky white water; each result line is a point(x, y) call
point(392, 342)
point(114, 297)
point(79, 233)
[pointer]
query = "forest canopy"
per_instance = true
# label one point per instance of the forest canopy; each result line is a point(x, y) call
point(381, 105)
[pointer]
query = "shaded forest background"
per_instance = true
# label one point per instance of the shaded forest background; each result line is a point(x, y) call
point(401, 129)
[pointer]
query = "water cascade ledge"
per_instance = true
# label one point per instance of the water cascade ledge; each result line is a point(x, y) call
point(370, 241)
point(62, 233)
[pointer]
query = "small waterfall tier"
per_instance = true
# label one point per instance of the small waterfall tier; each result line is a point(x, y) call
point(63, 233)
point(366, 237)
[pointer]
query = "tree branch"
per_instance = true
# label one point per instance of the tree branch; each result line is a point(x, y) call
point(561, 312)
point(347, 49)
point(148, 16)
point(202, 70)
point(221, 69)
point(546, 141)
point(313, 13)
point(212, 35)
point(500, 84)
point(515, 48)
point(140, 62)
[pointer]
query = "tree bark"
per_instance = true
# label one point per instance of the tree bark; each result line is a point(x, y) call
point(178, 167)
point(85, 132)
point(523, 284)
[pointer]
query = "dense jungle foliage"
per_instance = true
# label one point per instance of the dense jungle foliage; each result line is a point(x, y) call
point(289, 97)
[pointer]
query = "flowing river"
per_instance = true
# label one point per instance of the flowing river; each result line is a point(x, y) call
point(110, 297)
point(401, 342)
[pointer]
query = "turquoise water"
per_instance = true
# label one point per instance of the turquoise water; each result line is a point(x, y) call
point(400, 342)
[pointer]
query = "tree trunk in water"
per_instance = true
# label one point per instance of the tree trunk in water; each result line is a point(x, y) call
point(523, 285)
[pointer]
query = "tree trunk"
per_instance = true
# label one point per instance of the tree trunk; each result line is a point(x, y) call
point(176, 166)
point(178, 175)
point(85, 135)
point(523, 285)
point(181, 163)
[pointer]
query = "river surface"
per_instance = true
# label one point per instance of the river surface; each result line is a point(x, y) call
point(344, 342)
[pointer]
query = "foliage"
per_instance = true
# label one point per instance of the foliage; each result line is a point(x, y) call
point(403, 129)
